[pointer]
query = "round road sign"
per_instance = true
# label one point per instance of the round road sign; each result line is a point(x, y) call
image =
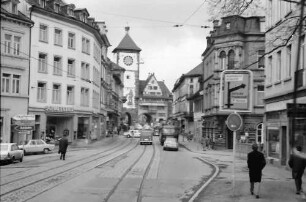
point(234, 122)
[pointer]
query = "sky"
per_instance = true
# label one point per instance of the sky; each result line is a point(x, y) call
point(167, 51)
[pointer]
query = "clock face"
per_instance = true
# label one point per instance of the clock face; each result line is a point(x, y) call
point(128, 60)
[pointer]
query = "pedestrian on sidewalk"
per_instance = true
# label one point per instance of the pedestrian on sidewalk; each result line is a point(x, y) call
point(297, 163)
point(256, 162)
point(63, 144)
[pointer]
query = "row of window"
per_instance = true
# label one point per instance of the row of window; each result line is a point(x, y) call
point(280, 64)
point(58, 67)
point(70, 95)
point(71, 43)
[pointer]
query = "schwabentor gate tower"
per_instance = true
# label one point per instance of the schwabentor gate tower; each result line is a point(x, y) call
point(127, 55)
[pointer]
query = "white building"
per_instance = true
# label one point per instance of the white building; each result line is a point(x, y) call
point(15, 39)
point(65, 75)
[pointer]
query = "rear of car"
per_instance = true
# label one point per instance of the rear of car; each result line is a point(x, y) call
point(10, 152)
point(146, 137)
point(171, 144)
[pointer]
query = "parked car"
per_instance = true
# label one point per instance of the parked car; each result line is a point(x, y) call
point(171, 143)
point(10, 152)
point(132, 133)
point(36, 146)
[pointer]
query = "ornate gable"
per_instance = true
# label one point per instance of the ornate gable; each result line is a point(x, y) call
point(152, 87)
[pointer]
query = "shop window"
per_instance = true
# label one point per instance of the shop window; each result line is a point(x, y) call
point(273, 142)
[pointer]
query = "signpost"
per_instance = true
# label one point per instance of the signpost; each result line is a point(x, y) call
point(234, 123)
point(236, 90)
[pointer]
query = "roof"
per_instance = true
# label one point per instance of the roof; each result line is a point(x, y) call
point(127, 43)
point(117, 67)
point(198, 70)
point(20, 16)
point(165, 91)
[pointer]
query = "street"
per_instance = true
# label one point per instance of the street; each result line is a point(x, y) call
point(117, 170)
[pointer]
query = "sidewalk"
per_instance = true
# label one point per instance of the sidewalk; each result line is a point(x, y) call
point(277, 184)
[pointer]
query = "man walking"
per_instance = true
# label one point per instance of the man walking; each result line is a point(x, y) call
point(63, 144)
point(297, 163)
point(256, 162)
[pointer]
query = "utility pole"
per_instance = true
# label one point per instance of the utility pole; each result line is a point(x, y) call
point(294, 110)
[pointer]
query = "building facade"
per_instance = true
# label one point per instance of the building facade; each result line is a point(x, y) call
point(237, 43)
point(282, 46)
point(66, 69)
point(127, 55)
point(155, 101)
point(188, 101)
point(15, 55)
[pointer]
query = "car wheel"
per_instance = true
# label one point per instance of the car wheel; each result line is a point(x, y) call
point(13, 159)
point(46, 151)
point(21, 159)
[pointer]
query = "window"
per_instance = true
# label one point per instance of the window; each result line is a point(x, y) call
point(57, 65)
point(279, 66)
point(96, 100)
point(260, 95)
point(58, 38)
point(259, 132)
point(85, 45)
point(43, 33)
point(70, 12)
point(155, 87)
point(261, 59)
point(56, 94)
point(228, 25)
point(302, 54)
point(84, 97)
point(41, 92)
point(85, 71)
point(42, 63)
point(14, 8)
point(12, 44)
point(5, 83)
point(10, 83)
point(96, 76)
point(127, 77)
point(270, 69)
point(42, 3)
point(70, 95)
point(16, 84)
point(191, 89)
point(289, 58)
point(71, 68)
point(8, 43)
point(222, 59)
point(71, 40)
point(231, 59)
point(56, 8)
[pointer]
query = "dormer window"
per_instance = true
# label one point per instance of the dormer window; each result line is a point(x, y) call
point(70, 11)
point(14, 8)
point(228, 25)
point(56, 8)
point(42, 3)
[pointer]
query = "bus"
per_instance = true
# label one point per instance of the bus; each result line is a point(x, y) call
point(168, 131)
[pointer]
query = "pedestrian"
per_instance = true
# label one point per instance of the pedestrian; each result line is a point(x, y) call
point(256, 162)
point(63, 144)
point(211, 143)
point(297, 163)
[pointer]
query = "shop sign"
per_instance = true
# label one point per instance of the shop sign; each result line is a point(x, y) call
point(58, 109)
point(24, 120)
point(24, 128)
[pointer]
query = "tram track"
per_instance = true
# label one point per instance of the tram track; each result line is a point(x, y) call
point(23, 191)
point(129, 172)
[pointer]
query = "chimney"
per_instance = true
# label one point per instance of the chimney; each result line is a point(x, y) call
point(216, 23)
point(127, 29)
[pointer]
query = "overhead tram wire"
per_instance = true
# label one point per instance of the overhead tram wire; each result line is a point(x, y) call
point(194, 12)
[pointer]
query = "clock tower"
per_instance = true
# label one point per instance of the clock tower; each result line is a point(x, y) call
point(127, 55)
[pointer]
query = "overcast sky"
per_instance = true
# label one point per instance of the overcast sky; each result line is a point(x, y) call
point(167, 51)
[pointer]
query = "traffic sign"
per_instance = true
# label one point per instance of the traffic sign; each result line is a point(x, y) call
point(236, 90)
point(234, 122)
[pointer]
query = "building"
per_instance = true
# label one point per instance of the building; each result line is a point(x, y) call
point(15, 54)
point(155, 101)
point(127, 55)
point(66, 70)
point(280, 91)
point(188, 101)
point(237, 43)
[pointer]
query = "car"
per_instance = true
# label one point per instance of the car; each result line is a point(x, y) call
point(37, 146)
point(132, 133)
point(171, 143)
point(10, 152)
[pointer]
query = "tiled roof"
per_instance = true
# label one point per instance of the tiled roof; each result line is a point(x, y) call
point(127, 43)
